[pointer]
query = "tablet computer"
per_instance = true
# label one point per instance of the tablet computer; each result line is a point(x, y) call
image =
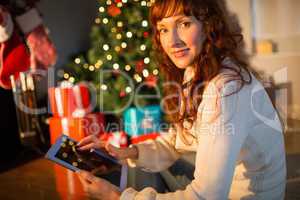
point(64, 152)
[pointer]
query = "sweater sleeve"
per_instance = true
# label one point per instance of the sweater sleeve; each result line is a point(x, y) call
point(156, 155)
point(220, 138)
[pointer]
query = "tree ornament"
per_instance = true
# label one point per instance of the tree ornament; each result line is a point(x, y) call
point(113, 10)
point(139, 66)
point(122, 93)
point(146, 34)
point(116, 72)
point(151, 81)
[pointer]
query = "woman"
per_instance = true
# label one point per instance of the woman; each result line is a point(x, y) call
point(222, 113)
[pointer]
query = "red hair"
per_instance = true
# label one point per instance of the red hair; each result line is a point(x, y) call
point(222, 41)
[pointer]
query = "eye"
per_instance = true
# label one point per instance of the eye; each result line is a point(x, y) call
point(162, 30)
point(185, 24)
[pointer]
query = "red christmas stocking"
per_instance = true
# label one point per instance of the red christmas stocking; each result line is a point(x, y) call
point(43, 53)
point(14, 58)
point(42, 50)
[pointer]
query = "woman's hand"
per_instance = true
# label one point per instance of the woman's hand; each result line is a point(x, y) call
point(91, 142)
point(98, 188)
point(121, 154)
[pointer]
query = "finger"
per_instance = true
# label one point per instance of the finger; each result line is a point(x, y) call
point(88, 146)
point(112, 150)
point(123, 162)
point(85, 184)
point(86, 176)
point(119, 153)
point(98, 145)
point(86, 140)
point(91, 143)
point(100, 170)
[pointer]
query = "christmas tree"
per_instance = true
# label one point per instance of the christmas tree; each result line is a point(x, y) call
point(119, 62)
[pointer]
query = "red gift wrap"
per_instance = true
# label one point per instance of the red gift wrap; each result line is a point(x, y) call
point(76, 128)
point(68, 184)
point(72, 101)
point(149, 136)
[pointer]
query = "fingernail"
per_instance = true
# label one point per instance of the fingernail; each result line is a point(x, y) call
point(78, 148)
point(112, 154)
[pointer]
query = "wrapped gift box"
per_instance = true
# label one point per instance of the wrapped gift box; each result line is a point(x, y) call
point(68, 185)
point(141, 138)
point(141, 121)
point(76, 128)
point(70, 101)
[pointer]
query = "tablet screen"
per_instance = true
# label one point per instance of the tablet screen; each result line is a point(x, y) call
point(86, 160)
point(65, 153)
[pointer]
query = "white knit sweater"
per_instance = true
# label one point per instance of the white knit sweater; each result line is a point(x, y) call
point(239, 148)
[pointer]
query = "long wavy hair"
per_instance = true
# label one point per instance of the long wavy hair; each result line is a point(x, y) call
point(223, 40)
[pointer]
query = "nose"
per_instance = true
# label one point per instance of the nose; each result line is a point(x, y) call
point(174, 39)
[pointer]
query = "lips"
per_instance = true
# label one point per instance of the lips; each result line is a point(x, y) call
point(180, 53)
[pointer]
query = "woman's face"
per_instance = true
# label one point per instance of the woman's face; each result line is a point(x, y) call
point(182, 38)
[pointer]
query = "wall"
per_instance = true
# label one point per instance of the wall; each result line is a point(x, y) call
point(284, 28)
point(285, 64)
point(69, 22)
point(243, 11)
